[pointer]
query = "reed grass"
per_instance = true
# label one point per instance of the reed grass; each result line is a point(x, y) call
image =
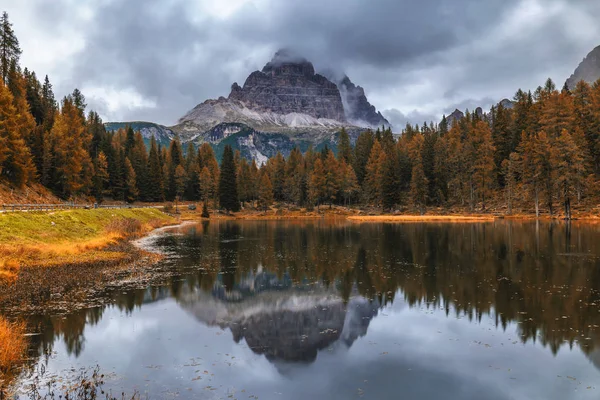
point(12, 346)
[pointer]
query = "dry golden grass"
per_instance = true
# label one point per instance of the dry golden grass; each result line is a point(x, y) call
point(70, 237)
point(421, 218)
point(12, 345)
point(8, 268)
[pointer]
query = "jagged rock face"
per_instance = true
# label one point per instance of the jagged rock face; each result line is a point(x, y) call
point(588, 70)
point(506, 103)
point(292, 336)
point(358, 109)
point(286, 86)
point(456, 116)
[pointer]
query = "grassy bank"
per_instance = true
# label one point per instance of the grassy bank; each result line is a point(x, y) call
point(31, 239)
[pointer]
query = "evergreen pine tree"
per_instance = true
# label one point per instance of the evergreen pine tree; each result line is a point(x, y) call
point(332, 178)
point(9, 46)
point(348, 183)
point(362, 151)
point(207, 185)
point(16, 125)
point(483, 156)
point(228, 197)
point(192, 171)
point(510, 168)
point(129, 141)
point(174, 159)
point(443, 127)
point(265, 191)
point(389, 182)
point(373, 180)
point(344, 147)
point(276, 166)
point(155, 191)
point(568, 168)
point(139, 160)
point(316, 186)
point(294, 176)
point(101, 177)
point(418, 187)
point(180, 182)
point(131, 190)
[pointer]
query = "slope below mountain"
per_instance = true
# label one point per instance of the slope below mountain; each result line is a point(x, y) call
point(162, 134)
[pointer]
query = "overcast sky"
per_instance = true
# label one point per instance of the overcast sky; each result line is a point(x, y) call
point(156, 59)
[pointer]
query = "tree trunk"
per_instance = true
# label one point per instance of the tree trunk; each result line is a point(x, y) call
point(567, 208)
point(509, 200)
point(471, 196)
point(483, 193)
point(537, 204)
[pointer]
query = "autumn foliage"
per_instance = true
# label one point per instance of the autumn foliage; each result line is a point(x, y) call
point(540, 154)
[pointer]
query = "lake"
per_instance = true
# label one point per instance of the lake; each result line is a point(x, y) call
point(328, 309)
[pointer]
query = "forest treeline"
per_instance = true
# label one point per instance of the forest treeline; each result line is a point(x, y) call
point(541, 154)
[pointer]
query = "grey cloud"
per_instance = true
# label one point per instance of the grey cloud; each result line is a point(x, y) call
point(398, 119)
point(176, 58)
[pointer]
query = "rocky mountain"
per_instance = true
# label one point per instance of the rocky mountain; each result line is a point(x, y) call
point(287, 104)
point(588, 70)
point(358, 109)
point(456, 116)
point(289, 85)
point(287, 96)
point(506, 103)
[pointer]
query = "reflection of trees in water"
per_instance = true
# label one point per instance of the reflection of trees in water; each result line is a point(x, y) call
point(536, 274)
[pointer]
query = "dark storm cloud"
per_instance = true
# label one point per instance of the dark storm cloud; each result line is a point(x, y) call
point(416, 59)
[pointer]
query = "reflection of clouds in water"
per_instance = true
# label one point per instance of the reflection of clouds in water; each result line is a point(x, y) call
point(268, 335)
point(129, 329)
point(412, 352)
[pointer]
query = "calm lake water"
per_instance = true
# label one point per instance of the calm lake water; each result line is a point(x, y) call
point(335, 310)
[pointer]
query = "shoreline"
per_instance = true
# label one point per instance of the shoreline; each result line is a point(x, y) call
point(422, 218)
point(99, 265)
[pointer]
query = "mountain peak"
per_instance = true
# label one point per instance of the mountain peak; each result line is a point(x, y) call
point(588, 70)
point(287, 56)
point(287, 62)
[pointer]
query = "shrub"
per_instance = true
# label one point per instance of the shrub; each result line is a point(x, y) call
point(12, 344)
point(125, 227)
point(169, 208)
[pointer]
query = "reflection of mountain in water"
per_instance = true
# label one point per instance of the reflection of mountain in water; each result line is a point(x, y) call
point(284, 323)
